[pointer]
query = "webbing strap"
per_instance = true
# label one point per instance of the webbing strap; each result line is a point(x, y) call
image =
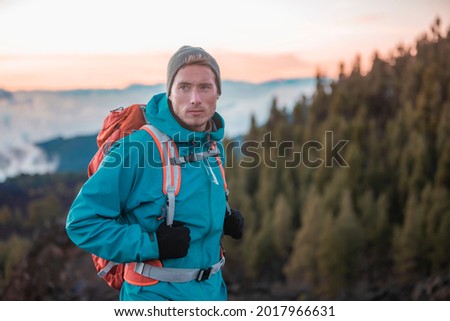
point(177, 275)
point(170, 205)
point(107, 268)
point(194, 157)
point(173, 179)
point(171, 172)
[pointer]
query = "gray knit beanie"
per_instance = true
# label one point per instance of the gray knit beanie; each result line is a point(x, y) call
point(180, 59)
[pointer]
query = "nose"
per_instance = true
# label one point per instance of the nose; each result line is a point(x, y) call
point(195, 97)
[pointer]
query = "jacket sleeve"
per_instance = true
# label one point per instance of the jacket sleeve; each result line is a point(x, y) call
point(92, 219)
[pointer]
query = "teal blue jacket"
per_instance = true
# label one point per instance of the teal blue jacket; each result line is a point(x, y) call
point(120, 206)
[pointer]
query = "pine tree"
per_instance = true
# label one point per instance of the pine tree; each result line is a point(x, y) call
point(408, 242)
point(303, 263)
point(341, 249)
point(283, 229)
point(436, 204)
point(443, 147)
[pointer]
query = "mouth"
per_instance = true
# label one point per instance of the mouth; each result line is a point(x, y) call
point(196, 112)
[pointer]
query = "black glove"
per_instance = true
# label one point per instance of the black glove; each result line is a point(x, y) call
point(173, 241)
point(233, 224)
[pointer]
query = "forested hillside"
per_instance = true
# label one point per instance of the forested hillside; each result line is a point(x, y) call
point(347, 197)
point(370, 218)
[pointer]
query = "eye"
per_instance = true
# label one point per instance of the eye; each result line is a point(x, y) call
point(205, 87)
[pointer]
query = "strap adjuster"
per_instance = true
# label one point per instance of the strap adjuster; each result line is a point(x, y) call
point(204, 274)
point(192, 157)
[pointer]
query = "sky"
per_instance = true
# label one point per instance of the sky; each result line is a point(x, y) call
point(73, 44)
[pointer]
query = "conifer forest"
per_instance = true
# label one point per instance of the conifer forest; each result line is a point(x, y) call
point(345, 197)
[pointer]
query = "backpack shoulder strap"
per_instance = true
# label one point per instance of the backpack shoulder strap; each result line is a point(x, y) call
point(171, 172)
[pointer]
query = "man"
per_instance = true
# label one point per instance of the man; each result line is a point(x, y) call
point(120, 213)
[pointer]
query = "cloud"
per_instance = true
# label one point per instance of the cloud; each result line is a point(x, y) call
point(25, 159)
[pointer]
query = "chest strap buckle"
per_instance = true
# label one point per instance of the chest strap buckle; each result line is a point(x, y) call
point(204, 274)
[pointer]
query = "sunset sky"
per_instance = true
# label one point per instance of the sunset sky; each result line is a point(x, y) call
point(51, 44)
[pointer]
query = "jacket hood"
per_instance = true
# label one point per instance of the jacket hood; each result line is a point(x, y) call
point(158, 114)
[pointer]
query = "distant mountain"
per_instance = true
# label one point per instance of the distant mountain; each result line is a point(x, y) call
point(29, 118)
point(73, 154)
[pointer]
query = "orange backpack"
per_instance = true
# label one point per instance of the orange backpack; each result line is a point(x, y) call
point(118, 124)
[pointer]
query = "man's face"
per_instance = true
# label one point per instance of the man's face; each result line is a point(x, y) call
point(194, 96)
